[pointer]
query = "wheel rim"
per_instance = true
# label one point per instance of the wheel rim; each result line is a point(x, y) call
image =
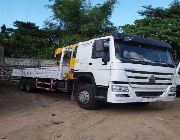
point(83, 97)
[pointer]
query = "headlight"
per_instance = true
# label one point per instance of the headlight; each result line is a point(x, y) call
point(173, 89)
point(116, 88)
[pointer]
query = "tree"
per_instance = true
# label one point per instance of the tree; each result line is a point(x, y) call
point(28, 41)
point(4, 31)
point(73, 21)
point(158, 23)
point(77, 17)
point(173, 11)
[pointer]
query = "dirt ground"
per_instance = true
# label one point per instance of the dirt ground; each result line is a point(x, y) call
point(53, 116)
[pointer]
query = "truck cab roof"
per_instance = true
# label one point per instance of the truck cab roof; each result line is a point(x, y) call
point(141, 40)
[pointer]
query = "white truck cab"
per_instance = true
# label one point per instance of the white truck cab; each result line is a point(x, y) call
point(118, 68)
point(130, 68)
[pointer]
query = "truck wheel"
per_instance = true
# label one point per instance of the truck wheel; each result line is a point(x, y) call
point(22, 85)
point(85, 97)
point(30, 85)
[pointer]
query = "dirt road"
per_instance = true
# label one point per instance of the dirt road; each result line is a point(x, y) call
point(49, 116)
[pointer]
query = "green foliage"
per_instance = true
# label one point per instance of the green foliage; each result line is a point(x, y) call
point(159, 23)
point(4, 32)
point(27, 40)
point(79, 17)
point(173, 11)
point(73, 21)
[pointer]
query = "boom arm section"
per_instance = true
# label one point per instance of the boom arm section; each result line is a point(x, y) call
point(58, 51)
point(71, 60)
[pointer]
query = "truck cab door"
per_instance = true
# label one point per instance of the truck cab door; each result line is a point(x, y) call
point(100, 62)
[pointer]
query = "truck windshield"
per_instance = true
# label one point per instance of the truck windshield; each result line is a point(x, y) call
point(139, 53)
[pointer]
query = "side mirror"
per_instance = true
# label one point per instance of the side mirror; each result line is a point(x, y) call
point(99, 45)
point(106, 44)
point(102, 44)
point(179, 71)
point(101, 50)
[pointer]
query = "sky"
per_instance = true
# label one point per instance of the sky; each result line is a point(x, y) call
point(36, 11)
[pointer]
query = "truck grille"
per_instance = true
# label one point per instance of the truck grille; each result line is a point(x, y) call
point(141, 78)
point(148, 94)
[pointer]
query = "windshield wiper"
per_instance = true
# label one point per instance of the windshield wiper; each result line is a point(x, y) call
point(134, 59)
point(165, 64)
point(161, 63)
point(144, 61)
point(149, 61)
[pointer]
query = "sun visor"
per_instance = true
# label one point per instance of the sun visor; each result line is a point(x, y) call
point(141, 40)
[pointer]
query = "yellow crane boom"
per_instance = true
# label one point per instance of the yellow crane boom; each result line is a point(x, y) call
point(72, 60)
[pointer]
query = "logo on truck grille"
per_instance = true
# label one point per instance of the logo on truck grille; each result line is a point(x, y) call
point(152, 79)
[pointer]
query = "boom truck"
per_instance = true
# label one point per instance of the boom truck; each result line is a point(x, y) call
point(118, 68)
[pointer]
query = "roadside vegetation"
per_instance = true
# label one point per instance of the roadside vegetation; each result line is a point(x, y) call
point(74, 21)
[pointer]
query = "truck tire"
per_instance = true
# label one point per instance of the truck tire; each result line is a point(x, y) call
point(30, 85)
point(22, 84)
point(85, 97)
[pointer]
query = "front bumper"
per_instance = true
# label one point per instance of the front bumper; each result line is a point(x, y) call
point(132, 96)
